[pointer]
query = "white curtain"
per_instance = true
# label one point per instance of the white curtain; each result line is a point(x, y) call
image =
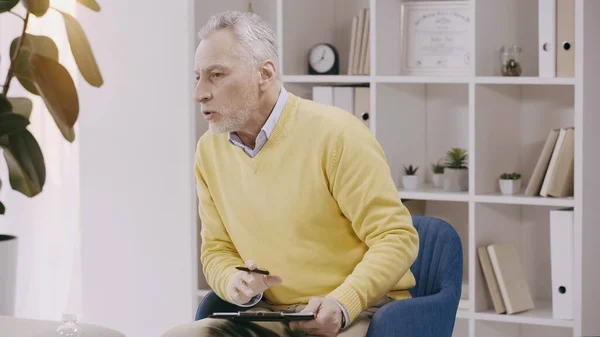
point(48, 225)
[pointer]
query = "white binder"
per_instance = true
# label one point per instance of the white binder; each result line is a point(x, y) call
point(547, 38)
point(343, 97)
point(323, 94)
point(561, 257)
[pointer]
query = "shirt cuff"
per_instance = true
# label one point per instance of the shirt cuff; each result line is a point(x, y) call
point(344, 312)
point(253, 301)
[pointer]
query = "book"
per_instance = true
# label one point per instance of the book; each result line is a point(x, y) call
point(562, 181)
point(511, 278)
point(490, 279)
point(539, 172)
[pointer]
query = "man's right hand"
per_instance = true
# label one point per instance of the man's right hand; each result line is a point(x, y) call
point(245, 285)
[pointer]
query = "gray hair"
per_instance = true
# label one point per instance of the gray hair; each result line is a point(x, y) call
point(256, 38)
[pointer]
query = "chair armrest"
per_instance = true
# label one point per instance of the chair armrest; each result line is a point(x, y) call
point(426, 316)
point(213, 303)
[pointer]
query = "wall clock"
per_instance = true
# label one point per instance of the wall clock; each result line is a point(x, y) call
point(323, 59)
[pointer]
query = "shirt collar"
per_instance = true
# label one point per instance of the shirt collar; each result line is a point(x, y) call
point(271, 122)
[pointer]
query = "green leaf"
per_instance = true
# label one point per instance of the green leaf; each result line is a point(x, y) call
point(37, 7)
point(6, 5)
point(32, 44)
point(25, 161)
point(91, 4)
point(5, 106)
point(58, 91)
point(21, 106)
point(82, 51)
point(2, 208)
point(11, 123)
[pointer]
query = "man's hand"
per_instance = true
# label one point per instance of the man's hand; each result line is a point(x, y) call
point(245, 285)
point(327, 322)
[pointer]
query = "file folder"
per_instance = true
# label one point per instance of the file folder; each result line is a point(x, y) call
point(561, 262)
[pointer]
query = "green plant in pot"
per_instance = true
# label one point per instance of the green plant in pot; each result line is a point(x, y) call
point(438, 174)
point(456, 172)
point(410, 180)
point(510, 183)
point(34, 63)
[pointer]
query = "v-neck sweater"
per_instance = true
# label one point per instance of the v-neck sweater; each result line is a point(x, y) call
point(316, 206)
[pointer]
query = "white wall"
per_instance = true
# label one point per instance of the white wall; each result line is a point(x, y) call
point(137, 140)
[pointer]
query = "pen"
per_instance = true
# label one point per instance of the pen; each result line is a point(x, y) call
point(258, 271)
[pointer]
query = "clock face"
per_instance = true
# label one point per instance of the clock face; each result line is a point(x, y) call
point(322, 58)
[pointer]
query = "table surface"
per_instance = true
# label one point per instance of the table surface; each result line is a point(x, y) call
point(25, 327)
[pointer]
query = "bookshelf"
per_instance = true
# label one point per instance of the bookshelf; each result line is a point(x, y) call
point(501, 121)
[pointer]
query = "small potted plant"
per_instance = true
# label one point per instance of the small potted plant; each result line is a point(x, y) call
point(510, 183)
point(410, 180)
point(456, 172)
point(438, 174)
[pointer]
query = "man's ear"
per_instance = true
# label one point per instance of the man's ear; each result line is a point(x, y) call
point(268, 75)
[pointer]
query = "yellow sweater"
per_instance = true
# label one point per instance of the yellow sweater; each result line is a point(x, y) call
point(316, 206)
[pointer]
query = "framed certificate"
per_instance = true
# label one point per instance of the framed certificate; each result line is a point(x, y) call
point(435, 37)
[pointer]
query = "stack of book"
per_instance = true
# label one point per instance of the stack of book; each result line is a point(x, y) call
point(359, 58)
point(553, 174)
point(505, 278)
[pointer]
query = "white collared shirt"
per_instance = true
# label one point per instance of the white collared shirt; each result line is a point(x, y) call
point(266, 130)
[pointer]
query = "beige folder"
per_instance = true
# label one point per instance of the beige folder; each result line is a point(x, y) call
point(565, 38)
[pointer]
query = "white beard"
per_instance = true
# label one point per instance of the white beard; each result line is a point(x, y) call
point(230, 122)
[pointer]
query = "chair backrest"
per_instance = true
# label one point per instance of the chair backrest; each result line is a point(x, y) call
point(439, 263)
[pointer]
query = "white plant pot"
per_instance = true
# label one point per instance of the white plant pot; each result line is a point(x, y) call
point(8, 274)
point(456, 180)
point(438, 180)
point(510, 186)
point(410, 182)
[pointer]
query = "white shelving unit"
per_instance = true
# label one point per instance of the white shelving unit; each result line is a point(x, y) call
point(501, 121)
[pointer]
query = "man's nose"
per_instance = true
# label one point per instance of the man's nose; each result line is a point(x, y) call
point(202, 94)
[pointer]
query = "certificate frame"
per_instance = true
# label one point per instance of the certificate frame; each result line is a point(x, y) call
point(436, 22)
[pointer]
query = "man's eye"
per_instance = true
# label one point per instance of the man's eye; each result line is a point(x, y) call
point(216, 75)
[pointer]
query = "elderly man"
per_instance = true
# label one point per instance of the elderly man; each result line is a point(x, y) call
point(292, 186)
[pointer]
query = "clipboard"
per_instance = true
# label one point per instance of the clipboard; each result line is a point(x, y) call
point(264, 316)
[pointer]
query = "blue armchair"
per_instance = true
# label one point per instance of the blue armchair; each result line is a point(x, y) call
point(431, 312)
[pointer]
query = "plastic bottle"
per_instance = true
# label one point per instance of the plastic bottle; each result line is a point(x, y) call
point(69, 327)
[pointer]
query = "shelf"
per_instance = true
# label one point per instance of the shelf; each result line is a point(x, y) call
point(520, 199)
point(325, 79)
point(427, 192)
point(541, 315)
point(422, 79)
point(427, 79)
point(524, 80)
point(463, 313)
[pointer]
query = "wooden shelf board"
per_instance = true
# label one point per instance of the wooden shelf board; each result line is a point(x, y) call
point(523, 80)
point(541, 315)
point(422, 79)
point(520, 199)
point(325, 79)
point(428, 192)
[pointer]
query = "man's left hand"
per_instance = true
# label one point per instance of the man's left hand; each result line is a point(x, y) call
point(328, 318)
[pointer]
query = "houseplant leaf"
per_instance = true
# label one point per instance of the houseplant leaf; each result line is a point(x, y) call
point(82, 51)
point(37, 7)
point(32, 44)
point(2, 208)
point(5, 106)
point(11, 123)
point(91, 4)
point(6, 5)
point(58, 91)
point(25, 161)
point(21, 106)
